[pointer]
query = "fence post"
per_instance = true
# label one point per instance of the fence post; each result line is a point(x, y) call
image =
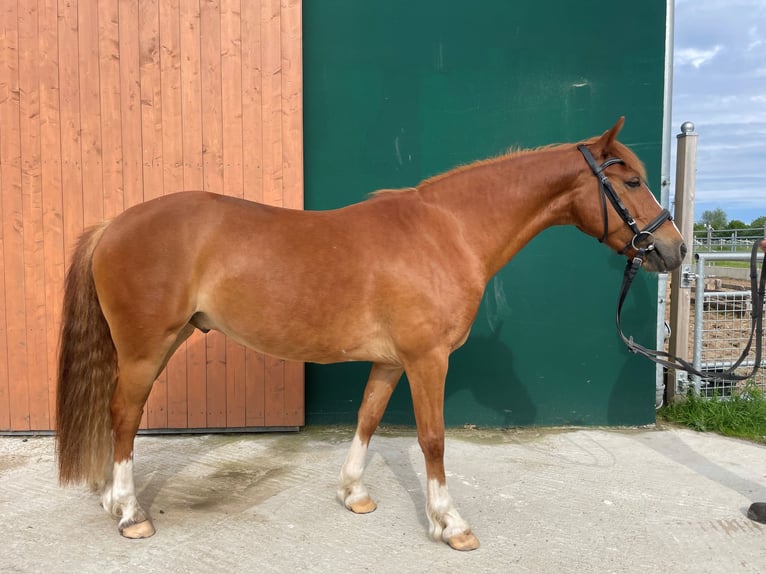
point(680, 296)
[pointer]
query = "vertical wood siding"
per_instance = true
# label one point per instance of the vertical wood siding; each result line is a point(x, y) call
point(108, 103)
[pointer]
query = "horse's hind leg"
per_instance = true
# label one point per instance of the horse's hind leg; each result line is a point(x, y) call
point(380, 385)
point(119, 496)
point(136, 377)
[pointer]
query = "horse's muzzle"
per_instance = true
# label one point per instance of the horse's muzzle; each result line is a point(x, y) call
point(665, 256)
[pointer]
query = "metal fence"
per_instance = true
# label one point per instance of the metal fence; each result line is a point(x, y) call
point(726, 240)
point(722, 321)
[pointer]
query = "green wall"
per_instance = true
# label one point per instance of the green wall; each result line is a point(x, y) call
point(397, 91)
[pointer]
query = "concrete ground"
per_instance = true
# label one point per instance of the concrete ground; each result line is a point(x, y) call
point(540, 501)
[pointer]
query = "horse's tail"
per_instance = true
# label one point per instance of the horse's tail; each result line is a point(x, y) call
point(87, 374)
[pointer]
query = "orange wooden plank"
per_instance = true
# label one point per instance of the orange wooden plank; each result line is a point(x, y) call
point(156, 407)
point(151, 98)
point(274, 395)
point(90, 121)
point(69, 94)
point(231, 100)
point(191, 106)
point(111, 112)
point(252, 168)
point(191, 91)
point(50, 175)
point(272, 158)
point(255, 388)
point(212, 164)
point(252, 132)
point(170, 85)
point(32, 202)
point(173, 173)
point(236, 384)
point(271, 103)
point(152, 157)
point(13, 220)
point(130, 102)
point(5, 388)
point(178, 406)
point(292, 104)
point(196, 384)
point(7, 80)
point(231, 97)
point(292, 169)
point(295, 394)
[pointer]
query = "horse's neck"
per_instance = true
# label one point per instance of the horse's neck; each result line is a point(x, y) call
point(503, 203)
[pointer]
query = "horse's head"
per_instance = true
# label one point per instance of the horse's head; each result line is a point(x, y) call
point(614, 204)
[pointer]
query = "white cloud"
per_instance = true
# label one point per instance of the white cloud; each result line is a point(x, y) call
point(755, 39)
point(695, 57)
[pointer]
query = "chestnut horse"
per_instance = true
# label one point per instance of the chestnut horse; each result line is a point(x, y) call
point(395, 280)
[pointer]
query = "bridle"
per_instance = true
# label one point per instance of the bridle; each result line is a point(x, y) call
point(607, 192)
point(757, 287)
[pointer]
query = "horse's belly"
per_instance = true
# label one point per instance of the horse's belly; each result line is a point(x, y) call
point(298, 349)
point(297, 341)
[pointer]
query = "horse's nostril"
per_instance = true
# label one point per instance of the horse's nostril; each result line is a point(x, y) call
point(683, 250)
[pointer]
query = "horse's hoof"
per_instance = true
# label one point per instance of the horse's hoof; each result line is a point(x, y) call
point(364, 506)
point(463, 542)
point(143, 529)
point(757, 512)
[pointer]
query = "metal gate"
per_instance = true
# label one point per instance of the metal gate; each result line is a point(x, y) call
point(721, 322)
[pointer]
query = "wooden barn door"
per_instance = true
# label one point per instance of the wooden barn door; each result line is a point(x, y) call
point(108, 103)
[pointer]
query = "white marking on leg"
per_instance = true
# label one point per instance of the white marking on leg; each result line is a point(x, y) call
point(119, 497)
point(123, 488)
point(119, 490)
point(445, 521)
point(351, 489)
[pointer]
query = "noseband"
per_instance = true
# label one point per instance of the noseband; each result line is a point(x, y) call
point(757, 285)
point(607, 192)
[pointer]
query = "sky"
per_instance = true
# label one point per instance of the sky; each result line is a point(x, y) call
point(719, 83)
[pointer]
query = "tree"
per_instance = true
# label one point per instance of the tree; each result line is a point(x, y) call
point(759, 222)
point(737, 224)
point(715, 218)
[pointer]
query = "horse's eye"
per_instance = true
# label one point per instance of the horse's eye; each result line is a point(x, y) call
point(633, 183)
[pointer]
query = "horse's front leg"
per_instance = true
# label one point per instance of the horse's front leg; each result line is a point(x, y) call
point(427, 377)
point(381, 383)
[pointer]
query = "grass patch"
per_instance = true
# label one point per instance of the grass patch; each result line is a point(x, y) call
point(740, 264)
point(743, 415)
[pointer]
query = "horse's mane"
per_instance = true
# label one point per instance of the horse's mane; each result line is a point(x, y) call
point(511, 153)
point(622, 151)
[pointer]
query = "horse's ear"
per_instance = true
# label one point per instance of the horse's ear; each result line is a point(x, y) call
point(607, 139)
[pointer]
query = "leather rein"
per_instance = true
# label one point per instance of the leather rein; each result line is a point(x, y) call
point(757, 287)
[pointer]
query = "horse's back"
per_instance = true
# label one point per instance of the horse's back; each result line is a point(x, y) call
point(258, 273)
